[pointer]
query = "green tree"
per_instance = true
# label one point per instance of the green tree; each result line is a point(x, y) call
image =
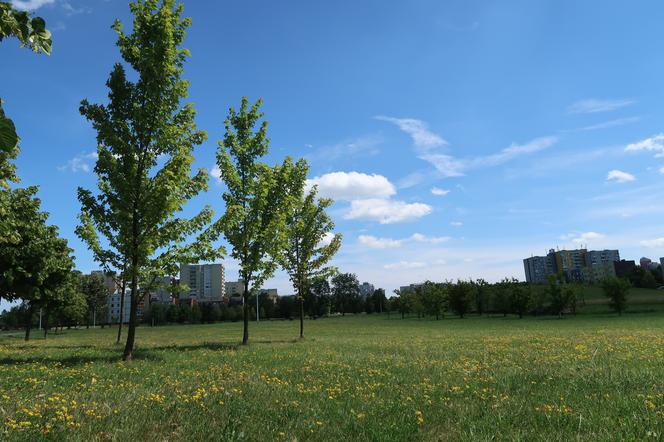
point(561, 295)
point(616, 289)
point(648, 280)
point(257, 199)
point(520, 298)
point(35, 263)
point(481, 295)
point(145, 148)
point(500, 296)
point(461, 297)
point(308, 246)
point(434, 298)
point(96, 294)
point(345, 292)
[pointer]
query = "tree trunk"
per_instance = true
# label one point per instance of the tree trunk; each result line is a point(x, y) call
point(28, 323)
point(245, 308)
point(131, 331)
point(301, 317)
point(122, 302)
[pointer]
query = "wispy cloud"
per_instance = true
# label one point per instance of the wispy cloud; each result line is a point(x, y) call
point(456, 224)
point(653, 144)
point(610, 123)
point(82, 162)
point(401, 265)
point(449, 166)
point(439, 192)
point(619, 176)
point(391, 243)
point(31, 5)
point(582, 238)
point(593, 105)
point(656, 243)
point(418, 130)
point(357, 147)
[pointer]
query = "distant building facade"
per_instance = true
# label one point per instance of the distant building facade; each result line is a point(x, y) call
point(578, 265)
point(366, 289)
point(624, 268)
point(205, 282)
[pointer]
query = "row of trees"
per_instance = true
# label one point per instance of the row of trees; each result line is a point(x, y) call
point(508, 296)
point(132, 222)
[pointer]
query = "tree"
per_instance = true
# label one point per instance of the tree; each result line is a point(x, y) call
point(500, 296)
point(30, 32)
point(616, 289)
point(145, 142)
point(35, 263)
point(318, 302)
point(461, 297)
point(308, 246)
point(257, 199)
point(560, 295)
point(481, 295)
point(520, 298)
point(345, 292)
point(434, 298)
point(648, 280)
point(379, 300)
point(96, 294)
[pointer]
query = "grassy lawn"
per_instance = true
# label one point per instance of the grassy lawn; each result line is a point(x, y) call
point(594, 377)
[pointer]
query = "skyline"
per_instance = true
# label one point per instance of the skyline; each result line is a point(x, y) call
point(452, 152)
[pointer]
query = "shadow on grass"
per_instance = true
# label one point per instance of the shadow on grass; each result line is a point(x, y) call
point(76, 360)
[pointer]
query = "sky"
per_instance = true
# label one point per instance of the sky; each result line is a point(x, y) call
point(456, 137)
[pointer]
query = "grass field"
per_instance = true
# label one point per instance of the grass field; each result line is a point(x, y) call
point(597, 377)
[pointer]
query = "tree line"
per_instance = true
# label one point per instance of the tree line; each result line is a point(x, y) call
point(507, 297)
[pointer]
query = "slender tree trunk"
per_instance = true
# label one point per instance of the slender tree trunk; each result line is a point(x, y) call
point(28, 323)
point(45, 325)
point(131, 330)
point(123, 287)
point(301, 317)
point(245, 308)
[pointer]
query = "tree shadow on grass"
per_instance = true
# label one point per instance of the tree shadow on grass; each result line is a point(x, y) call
point(76, 360)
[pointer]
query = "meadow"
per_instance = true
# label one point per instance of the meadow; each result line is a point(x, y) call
point(365, 377)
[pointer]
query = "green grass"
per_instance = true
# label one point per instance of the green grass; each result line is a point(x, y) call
point(597, 377)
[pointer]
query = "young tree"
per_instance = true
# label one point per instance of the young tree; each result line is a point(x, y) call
point(461, 297)
point(96, 294)
point(345, 292)
point(308, 246)
point(481, 295)
point(257, 199)
point(35, 263)
point(500, 296)
point(560, 295)
point(145, 143)
point(616, 289)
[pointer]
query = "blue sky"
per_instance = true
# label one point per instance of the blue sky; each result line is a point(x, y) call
point(457, 137)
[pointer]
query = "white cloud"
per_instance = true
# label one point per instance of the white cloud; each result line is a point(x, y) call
point(456, 223)
point(449, 166)
point(390, 243)
point(582, 238)
point(81, 163)
point(610, 123)
point(215, 173)
point(405, 265)
point(657, 243)
point(357, 147)
point(439, 192)
point(429, 239)
point(619, 176)
point(592, 105)
point(30, 5)
point(352, 185)
point(386, 211)
point(418, 130)
point(653, 144)
point(661, 170)
point(379, 243)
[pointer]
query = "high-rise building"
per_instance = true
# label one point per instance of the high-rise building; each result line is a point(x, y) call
point(538, 268)
point(161, 292)
point(205, 282)
point(600, 265)
point(624, 268)
point(114, 302)
point(645, 263)
point(366, 289)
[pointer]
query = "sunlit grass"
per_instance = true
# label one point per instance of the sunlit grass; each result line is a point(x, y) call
point(353, 378)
